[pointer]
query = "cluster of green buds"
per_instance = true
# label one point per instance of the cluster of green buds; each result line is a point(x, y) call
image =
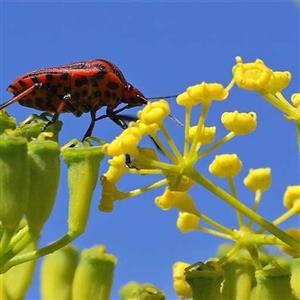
point(30, 168)
point(178, 166)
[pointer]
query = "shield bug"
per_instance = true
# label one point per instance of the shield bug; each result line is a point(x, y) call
point(77, 88)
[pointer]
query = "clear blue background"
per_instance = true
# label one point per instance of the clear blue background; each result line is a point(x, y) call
point(162, 48)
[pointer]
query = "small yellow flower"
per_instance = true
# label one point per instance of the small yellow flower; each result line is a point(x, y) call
point(295, 98)
point(116, 169)
point(291, 196)
point(187, 222)
point(239, 123)
point(154, 112)
point(258, 179)
point(179, 200)
point(147, 129)
point(225, 165)
point(206, 137)
point(256, 76)
point(206, 92)
point(125, 143)
point(181, 287)
point(184, 99)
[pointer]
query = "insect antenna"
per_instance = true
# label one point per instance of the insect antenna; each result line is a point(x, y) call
point(163, 97)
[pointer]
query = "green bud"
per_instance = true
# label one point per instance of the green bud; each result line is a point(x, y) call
point(295, 277)
point(238, 279)
point(57, 273)
point(94, 275)
point(135, 291)
point(205, 282)
point(6, 121)
point(44, 175)
point(35, 124)
point(14, 181)
point(17, 279)
point(272, 283)
point(83, 166)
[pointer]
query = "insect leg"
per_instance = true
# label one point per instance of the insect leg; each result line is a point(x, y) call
point(21, 95)
point(112, 115)
point(91, 127)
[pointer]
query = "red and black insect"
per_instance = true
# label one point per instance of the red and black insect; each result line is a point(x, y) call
point(77, 88)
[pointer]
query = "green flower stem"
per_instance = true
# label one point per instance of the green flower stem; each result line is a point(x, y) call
point(165, 151)
point(161, 165)
point(5, 239)
point(230, 253)
point(286, 215)
point(255, 205)
point(193, 174)
point(280, 96)
point(19, 259)
point(213, 223)
point(144, 189)
point(186, 129)
point(254, 255)
point(234, 194)
point(171, 142)
point(200, 125)
point(284, 107)
point(214, 232)
point(223, 140)
point(249, 238)
point(230, 85)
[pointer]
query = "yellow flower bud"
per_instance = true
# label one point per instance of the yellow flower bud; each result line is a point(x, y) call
point(181, 287)
point(148, 129)
point(206, 92)
point(116, 169)
point(292, 196)
point(206, 137)
point(154, 112)
point(225, 165)
point(184, 99)
point(295, 98)
point(258, 179)
point(239, 123)
point(187, 222)
point(179, 200)
point(256, 76)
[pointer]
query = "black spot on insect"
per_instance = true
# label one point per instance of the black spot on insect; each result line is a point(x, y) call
point(54, 89)
point(67, 89)
point(64, 76)
point(76, 94)
point(34, 79)
point(107, 94)
point(100, 75)
point(59, 85)
point(84, 93)
point(12, 87)
point(33, 93)
point(97, 94)
point(49, 76)
point(38, 100)
point(80, 82)
point(112, 85)
point(114, 95)
point(22, 83)
point(95, 82)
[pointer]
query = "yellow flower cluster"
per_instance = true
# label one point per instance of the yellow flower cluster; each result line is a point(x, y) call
point(202, 93)
point(239, 123)
point(225, 165)
point(258, 179)
point(258, 77)
point(181, 287)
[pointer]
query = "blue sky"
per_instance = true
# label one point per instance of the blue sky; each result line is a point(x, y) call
point(161, 48)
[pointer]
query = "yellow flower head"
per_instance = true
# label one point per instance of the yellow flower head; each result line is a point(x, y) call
point(258, 77)
point(181, 287)
point(179, 200)
point(206, 137)
point(225, 165)
point(239, 123)
point(206, 92)
point(125, 143)
point(187, 222)
point(116, 168)
point(258, 179)
point(295, 98)
point(291, 196)
point(154, 112)
point(184, 99)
